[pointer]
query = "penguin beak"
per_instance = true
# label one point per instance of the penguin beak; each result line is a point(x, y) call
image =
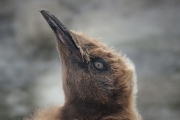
point(62, 33)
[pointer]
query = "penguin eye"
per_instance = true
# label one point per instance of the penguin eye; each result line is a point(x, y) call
point(100, 64)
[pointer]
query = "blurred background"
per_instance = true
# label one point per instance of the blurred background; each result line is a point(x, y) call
point(148, 31)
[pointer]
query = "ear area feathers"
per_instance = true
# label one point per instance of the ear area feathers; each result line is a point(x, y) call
point(127, 80)
point(127, 77)
point(131, 75)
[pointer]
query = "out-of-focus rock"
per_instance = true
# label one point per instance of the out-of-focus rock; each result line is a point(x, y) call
point(47, 88)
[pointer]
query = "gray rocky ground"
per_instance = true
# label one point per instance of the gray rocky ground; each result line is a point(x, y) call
point(148, 31)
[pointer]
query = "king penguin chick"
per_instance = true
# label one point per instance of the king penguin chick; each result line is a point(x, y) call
point(98, 83)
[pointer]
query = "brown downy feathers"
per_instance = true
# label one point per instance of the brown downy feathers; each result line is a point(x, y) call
point(98, 83)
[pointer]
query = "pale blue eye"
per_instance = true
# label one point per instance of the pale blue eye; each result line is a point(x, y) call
point(99, 65)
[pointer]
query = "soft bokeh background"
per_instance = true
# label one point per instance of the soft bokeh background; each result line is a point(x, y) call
point(148, 31)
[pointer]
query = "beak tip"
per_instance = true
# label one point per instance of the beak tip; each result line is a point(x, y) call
point(40, 11)
point(44, 12)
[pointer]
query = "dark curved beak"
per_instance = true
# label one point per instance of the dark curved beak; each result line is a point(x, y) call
point(61, 32)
